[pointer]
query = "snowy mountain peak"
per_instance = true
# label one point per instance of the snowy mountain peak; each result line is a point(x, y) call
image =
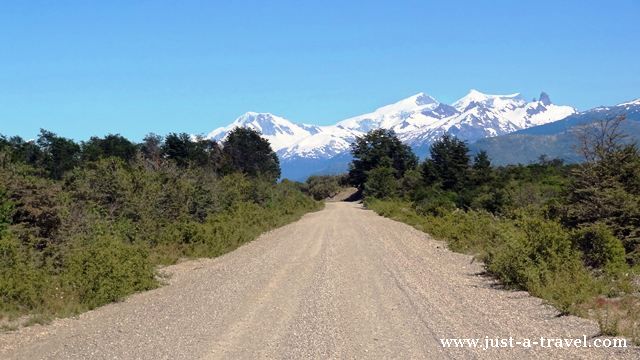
point(397, 116)
point(421, 99)
point(544, 98)
point(279, 131)
point(475, 97)
point(632, 102)
point(251, 117)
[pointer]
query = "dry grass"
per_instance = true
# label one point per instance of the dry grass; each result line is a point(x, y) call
point(617, 316)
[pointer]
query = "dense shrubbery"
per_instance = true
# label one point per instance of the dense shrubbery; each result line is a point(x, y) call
point(84, 225)
point(567, 234)
point(323, 187)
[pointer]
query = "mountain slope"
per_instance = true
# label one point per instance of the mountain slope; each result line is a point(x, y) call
point(557, 139)
point(280, 132)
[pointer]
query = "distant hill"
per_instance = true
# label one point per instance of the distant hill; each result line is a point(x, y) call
point(557, 139)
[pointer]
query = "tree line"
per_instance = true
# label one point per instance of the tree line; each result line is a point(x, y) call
point(243, 150)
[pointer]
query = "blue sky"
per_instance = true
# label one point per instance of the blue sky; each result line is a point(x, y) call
point(83, 68)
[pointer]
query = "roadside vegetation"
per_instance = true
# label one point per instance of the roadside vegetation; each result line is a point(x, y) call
point(322, 187)
point(569, 234)
point(85, 224)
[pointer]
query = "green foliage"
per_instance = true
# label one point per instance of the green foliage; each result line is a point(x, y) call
point(531, 253)
point(21, 283)
point(6, 210)
point(184, 151)
point(379, 148)
point(105, 269)
point(245, 151)
point(381, 183)
point(109, 146)
point(600, 248)
point(448, 164)
point(59, 154)
point(540, 258)
point(323, 187)
point(481, 171)
point(411, 180)
point(434, 201)
point(608, 191)
point(93, 226)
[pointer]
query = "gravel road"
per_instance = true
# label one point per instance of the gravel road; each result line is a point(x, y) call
point(340, 283)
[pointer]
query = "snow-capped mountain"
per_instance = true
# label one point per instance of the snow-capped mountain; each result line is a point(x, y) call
point(479, 115)
point(557, 139)
point(409, 114)
point(280, 132)
point(417, 120)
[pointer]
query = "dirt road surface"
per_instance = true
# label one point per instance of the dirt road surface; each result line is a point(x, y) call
point(340, 283)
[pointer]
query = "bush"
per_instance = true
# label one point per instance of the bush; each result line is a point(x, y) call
point(540, 258)
point(600, 249)
point(21, 284)
point(93, 232)
point(6, 211)
point(528, 253)
point(323, 187)
point(432, 201)
point(381, 183)
point(105, 269)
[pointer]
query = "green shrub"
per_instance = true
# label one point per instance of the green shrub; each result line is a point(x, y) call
point(600, 248)
point(6, 211)
point(528, 253)
point(21, 283)
point(432, 201)
point(540, 258)
point(93, 232)
point(381, 183)
point(322, 187)
point(105, 269)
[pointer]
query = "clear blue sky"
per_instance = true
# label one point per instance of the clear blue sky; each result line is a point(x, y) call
point(81, 68)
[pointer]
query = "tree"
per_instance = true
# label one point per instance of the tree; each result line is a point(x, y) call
point(376, 148)
point(151, 149)
point(606, 188)
point(449, 163)
point(481, 169)
point(178, 147)
point(59, 154)
point(207, 153)
point(245, 151)
point(22, 151)
point(109, 146)
point(381, 183)
point(187, 151)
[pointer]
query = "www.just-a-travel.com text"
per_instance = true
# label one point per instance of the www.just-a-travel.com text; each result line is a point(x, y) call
point(487, 342)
